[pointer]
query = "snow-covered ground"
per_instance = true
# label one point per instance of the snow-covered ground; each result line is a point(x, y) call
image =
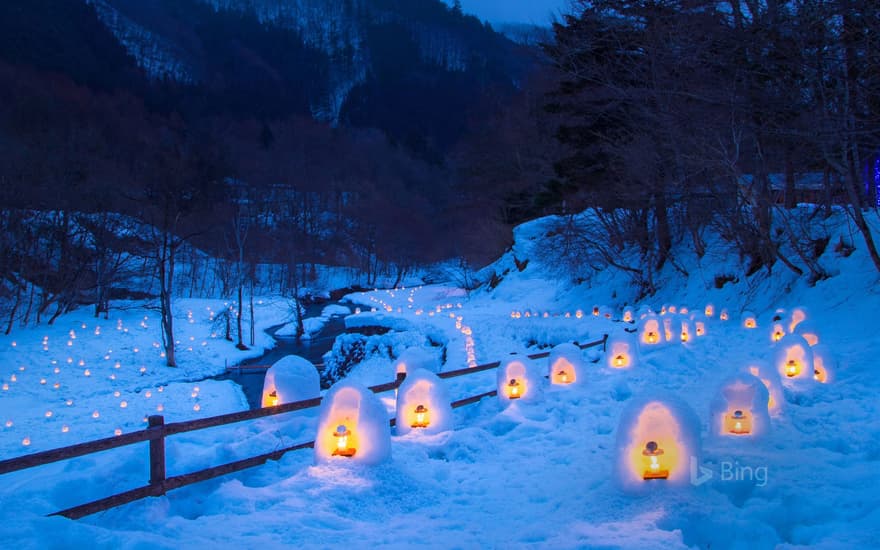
point(531, 474)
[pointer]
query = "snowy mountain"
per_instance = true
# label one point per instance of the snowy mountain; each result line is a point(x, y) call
point(160, 58)
point(347, 46)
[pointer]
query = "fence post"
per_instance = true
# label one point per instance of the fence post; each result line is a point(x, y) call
point(401, 376)
point(157, 455)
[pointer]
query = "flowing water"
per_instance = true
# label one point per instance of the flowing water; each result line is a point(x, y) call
point(313, 349)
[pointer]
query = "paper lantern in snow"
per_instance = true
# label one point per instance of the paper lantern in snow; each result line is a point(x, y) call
point(628, 316)
point(724, 315)
point(595, 311)
point(621, 351)
point(423, 404)
point(565, 364)
point(740, 407)
point(649, 333)
point(416, 358)
point(709, 310)
point(606, 313)
point(794, 358)
point(749, 320)
point(352, 425)
point(808, 331)
point(656, 440)
point(517, 381)
point(823, 363)
point(291, 378)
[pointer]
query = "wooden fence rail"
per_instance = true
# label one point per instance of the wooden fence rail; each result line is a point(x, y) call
point(157, 431)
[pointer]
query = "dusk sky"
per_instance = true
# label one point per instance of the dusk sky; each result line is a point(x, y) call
point(513, 11)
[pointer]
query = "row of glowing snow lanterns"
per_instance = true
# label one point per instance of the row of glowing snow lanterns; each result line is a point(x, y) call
point(122, 404)
point(465, 330)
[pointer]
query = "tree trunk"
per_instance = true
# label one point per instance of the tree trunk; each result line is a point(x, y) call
point(664, 235)
point(251, 307)
point(238, 314)
point(166, 279)
point(14, 309)
point(858, 217)
point(790, 189)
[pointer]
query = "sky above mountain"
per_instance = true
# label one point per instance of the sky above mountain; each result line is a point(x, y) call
point(537, 12)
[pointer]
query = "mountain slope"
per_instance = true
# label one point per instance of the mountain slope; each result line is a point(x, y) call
point(415, 69)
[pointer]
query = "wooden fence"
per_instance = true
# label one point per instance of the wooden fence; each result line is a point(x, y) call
point(158, 430)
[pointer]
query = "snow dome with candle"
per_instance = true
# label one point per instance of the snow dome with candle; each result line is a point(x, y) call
point(794, 358)
point(291, 378)
point(621, 351)
point(352, 425)
point(657, 438)
point(565, 364)
point(740, 408)
point(423, 404)
point(769, 377)
point(517, 381)
point(650, 331)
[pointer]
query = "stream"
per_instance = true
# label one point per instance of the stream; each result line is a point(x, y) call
point(313, 349)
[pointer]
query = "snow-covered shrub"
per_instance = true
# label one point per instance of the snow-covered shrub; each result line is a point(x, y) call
point(350, 350)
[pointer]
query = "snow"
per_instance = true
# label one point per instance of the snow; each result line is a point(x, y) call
point(314, 325)
point(291, 378)
point(415, 358)
point(546, 472)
